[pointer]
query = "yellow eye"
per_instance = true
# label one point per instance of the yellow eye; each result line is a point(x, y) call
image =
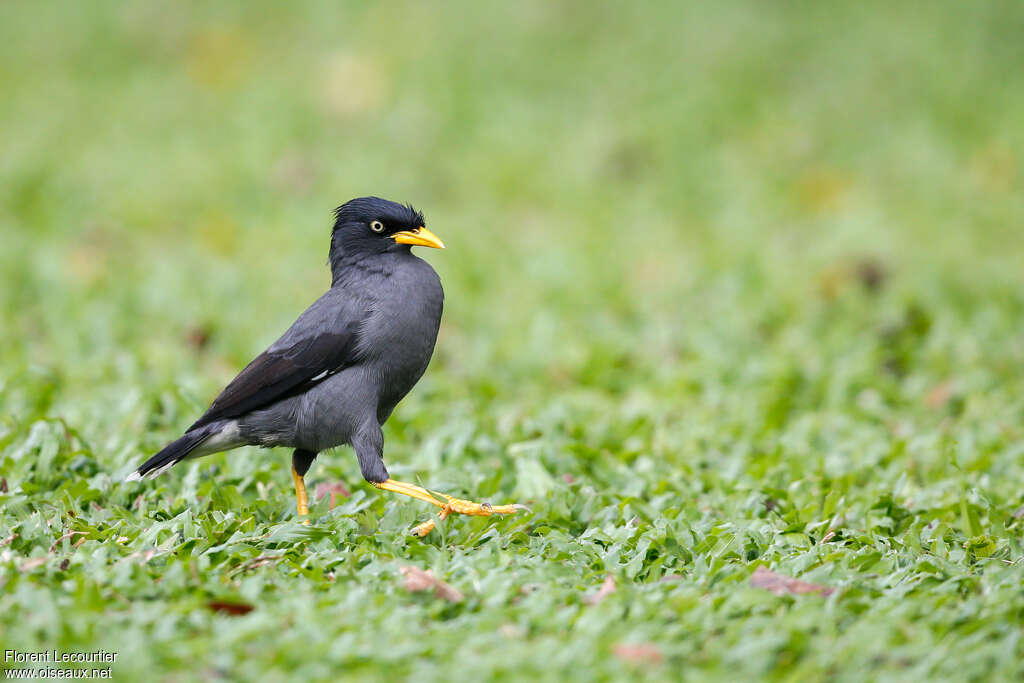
point(376, 226)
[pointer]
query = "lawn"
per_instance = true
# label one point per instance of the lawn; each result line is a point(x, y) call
point(732, 288)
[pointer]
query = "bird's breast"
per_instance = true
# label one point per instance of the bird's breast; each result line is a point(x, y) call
point(400, 332)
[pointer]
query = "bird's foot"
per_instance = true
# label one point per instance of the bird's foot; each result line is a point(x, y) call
point(422, 530)
point(468, 507)
point(448, 504)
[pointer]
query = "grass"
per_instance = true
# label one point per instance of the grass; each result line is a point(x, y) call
point(728, 287)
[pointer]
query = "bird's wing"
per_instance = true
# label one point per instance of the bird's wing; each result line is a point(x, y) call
point(321, 342)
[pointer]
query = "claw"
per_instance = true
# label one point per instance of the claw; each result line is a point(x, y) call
point(422, 530)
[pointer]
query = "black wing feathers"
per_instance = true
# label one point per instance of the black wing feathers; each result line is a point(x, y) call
point(281, 372)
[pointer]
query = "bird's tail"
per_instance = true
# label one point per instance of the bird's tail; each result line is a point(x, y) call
point(174, 452)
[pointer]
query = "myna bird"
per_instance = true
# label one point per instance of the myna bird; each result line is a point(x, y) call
point(335, 376)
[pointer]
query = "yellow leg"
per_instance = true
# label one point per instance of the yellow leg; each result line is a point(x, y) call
point(447, 503)
point(301, 499)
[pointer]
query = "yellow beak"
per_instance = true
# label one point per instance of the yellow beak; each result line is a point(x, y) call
point(420, 237)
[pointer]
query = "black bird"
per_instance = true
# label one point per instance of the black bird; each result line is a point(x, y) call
point(335, 376)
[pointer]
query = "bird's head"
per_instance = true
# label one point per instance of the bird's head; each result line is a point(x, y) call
point(371, 225)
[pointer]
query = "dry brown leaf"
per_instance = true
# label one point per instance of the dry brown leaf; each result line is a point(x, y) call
point(606, 589)
point(939, 395)
point(333, 489)
point(235, 609)
point(780, 585)
point(417, 579)
point(640, 653)
point(198, 336)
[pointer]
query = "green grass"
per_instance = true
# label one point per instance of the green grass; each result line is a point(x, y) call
point(728, 286)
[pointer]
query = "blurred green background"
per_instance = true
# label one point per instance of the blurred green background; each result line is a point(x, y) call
point(721, 278)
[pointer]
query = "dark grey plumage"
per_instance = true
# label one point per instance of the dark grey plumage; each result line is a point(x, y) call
point(335, 376)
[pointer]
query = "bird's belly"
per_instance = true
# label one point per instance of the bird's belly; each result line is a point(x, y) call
point(403, 338)
point(330, 413)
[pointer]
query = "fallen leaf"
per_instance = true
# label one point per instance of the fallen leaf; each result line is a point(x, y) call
point(939, 396)
point(198, 336)
point(641, 653)
point(780, 585)
point(334, 489)
point(606, 589)
point(235, 609)
point(421, 580)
